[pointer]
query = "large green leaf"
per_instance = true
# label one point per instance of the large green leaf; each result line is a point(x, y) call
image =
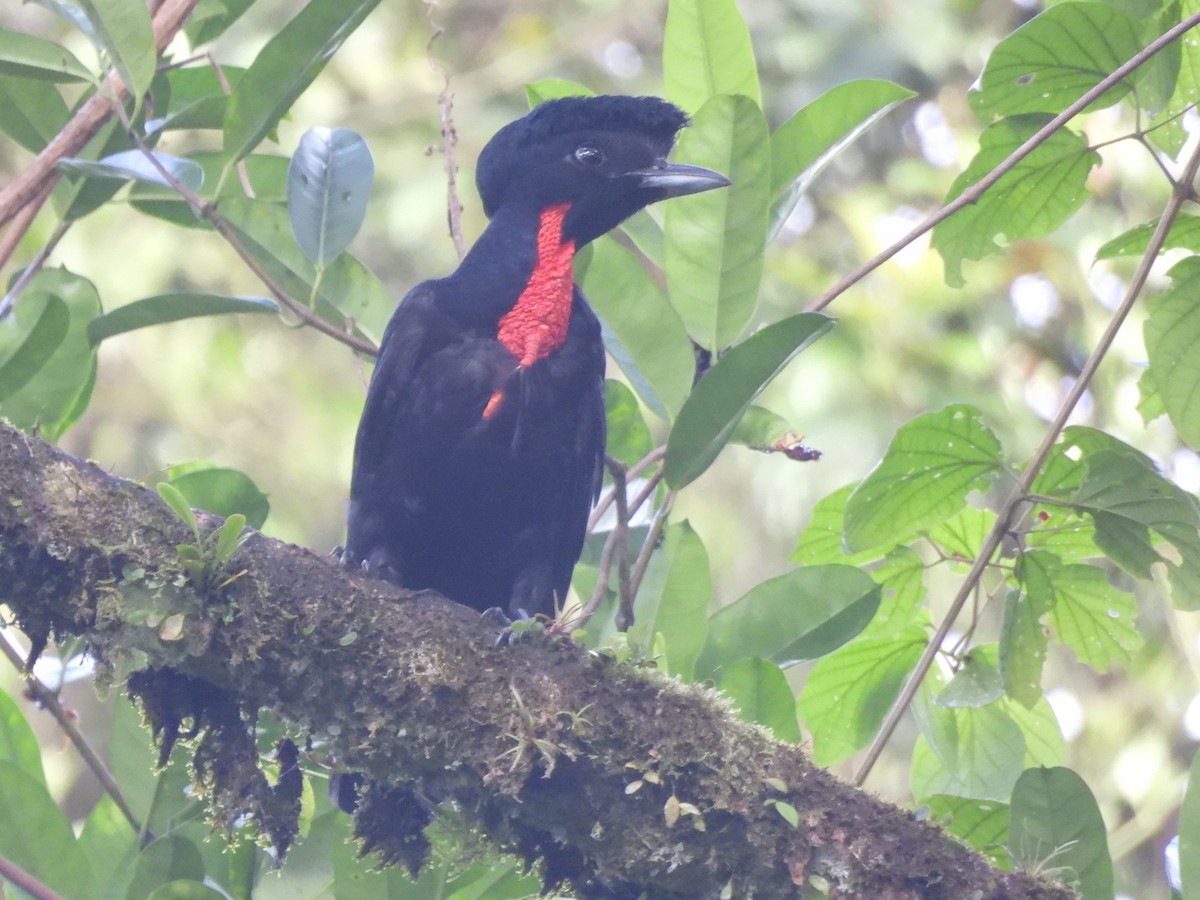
point(1087, 613)
point(35, 834)
point(821, 540)
point(346, 289)
point(982, 824)
point(110, 845)
point(849, 692)
point(285, 67)
point(933, 462)
point(804, 614)
point(164, 308)
point(123, 31)
point(679, 612)
point(716, 405)
point(715, 240)
point(265, 173)
point(1183, 233)
point(1023, 642)
point(222, 492)
point(642, 332)
point(1172, 333)
point(1055, 822)
point(28, 338)
point(627, 437)
point(901, 578)
point(1032, 199)
point(1052, 60)
point(18, 745)
point(54, 397)
point(31, 112)
point(760, 693)
point(211, 19)
point(329, 183)
point(974, 752)
point(1189, 832)
point(29, 56)
point(168, 859)
point(706, 51)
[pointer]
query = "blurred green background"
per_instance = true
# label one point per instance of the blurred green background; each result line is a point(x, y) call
point(281, 404)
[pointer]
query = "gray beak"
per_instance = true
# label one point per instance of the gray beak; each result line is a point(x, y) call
point(678, 180)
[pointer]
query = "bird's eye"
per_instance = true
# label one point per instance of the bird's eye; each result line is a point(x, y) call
point(589, 156)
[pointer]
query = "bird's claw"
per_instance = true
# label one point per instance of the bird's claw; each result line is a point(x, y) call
point(513, 631)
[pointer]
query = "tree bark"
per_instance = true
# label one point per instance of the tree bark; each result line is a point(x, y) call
point(538, 742)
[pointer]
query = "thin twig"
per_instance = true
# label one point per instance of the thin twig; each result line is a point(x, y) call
point(454, 208)
point(1180, 193)
point(621, 534)
point(8, 301)
point(48, 700)
point(601, 588)
point(26, 882)
point(973, 193)
point(651, 542)
point(635, 470)
point(20, 225)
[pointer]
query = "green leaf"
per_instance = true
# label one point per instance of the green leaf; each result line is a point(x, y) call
point(967, 752)
point(123, 31)
point(285, 67)
point(132, 165)
point(1172, 332)
point(538, 92)
point(31, 112)
point(1054, 59)
point(807, 613)
point(1189, 832)
point(924, 478)
point(211, 20)
point(1032, 199)
point(28, 56)
point(762, 430)
point(679, 613)
point(982, 824)
point(962, 535)
point(715, 240)
point(18, 745)
point(821, 540)
point(346, 290)
point(266, 174)
point(175, 499)
point(1056, 823)
point(28, 338)
point(168, 859)
point(164, 308)
point(716, 405)
point(627, 435)
point(760, 692)
point(1023, 642)
point(329, 183)
point(642, 332)
point(36, 836)
point(109, 843)
point(901, 576)
point(222, 492)
point(1044, 744)
point(230, 537)
point(1184, 233)
point(198, 99)
point(706, 51)
point(849, 692)
point(185, 890)
point(976, 683)
point(1087, 613)
point(57, 393)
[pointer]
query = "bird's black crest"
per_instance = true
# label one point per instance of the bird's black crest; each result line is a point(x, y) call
point(652, 117)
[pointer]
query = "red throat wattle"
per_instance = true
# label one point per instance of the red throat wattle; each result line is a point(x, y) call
point(537, 323)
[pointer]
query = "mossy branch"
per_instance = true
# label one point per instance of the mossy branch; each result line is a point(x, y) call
point(536, 742)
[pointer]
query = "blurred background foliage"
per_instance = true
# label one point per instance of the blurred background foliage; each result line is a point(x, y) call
point(282, 404)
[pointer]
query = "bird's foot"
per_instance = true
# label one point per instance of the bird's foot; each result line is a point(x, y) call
point(513, 631)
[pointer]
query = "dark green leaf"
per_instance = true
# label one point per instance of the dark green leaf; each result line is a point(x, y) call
point(716, 405)
point(56, 395)
point(627, 435)
point(976, 683)
point(679, 611)
point(760, 693)
point(198, 98)
point(36, 836)
point(1052, 60)
point(1056, 822)
point(849, 692)
point(1172, 332)
point(706, 51)
point(133, 165)
point(1032, 199)
point(982, 824)
point(1183, 233)
point(715, 240)
point(18, 745)
point(212, 18)
point(31, 112)
point(168, 859)
point(28, 56)
point(924, 478)
point(1087, 613)
point(804, 614)
point(179, 504)
point(110, 845)
point(123, 31)
point(285, 67)
point(28, 338)
point(1189, 831)
point(164, 308)
point(222, 492)
point(185, 890)
point(1023, 642)
point(642, 332)
point(329, 183)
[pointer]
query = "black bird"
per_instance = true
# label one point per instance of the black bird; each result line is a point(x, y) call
point(481, 447)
